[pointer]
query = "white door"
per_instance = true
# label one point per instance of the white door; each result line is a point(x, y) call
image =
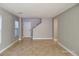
point(27, 29)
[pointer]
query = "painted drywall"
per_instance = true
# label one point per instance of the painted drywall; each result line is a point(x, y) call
point(40, 10)
point(44, 29)
point(0, 27)
point(8, 28)
point(68, 29)
point(55, 28)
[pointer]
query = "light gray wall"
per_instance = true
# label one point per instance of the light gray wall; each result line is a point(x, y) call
point(8, 35)
point(68, 25)
point(45, 30)
point(0, 27)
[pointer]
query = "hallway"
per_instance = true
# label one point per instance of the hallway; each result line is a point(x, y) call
point(27, 47)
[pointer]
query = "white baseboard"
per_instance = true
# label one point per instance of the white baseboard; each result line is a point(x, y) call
point(8, 46)
point(41, 38)
point(74, 54)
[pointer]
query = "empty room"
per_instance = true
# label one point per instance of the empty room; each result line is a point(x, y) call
point(39, 29)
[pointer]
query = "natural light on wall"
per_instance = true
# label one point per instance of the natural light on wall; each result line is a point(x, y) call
point(16, 28)
point(0, 27)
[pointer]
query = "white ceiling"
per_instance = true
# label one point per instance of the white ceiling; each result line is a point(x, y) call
point(37, 10)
